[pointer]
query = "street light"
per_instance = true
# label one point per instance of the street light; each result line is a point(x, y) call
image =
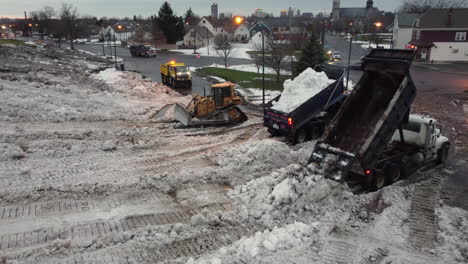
point(349, 55)
point(239, 20)
point(378, 25)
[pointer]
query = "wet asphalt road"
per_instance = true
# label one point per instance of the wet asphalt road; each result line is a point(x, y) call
point(150, 66)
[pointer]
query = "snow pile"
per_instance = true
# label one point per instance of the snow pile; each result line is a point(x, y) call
point(263, 243)
point(301, 89)
point(131, 83)
point(10, 151)
point(260, 158)
point(291, 193)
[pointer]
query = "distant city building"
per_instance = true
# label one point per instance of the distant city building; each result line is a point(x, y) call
point(336, 4)
point(283, 13)
point(222, 15)
point(354, 13)
point(298, 13)
point(290, 12)
point(307, 14)
point(259, 13)
point(214, 10)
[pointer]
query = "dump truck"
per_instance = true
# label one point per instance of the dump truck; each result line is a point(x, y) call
point(373, 140)
point(176, 74)
point(143, 50)
point(308, 120)
point(219, 108)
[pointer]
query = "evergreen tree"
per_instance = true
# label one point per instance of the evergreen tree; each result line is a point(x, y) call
point(311, 55)
point(189, 15)
point(169, 23)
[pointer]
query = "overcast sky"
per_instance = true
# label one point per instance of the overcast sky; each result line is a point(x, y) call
point(127, 8)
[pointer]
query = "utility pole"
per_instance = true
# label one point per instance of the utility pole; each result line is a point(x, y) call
point(115, 53)
point(194, 39)
point(207, 41)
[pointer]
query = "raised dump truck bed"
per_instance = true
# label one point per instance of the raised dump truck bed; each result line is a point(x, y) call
point(363, 127)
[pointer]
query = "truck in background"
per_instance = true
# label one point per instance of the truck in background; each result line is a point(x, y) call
point(308, 120)
point(175, 75)
point(373, 140)
point(143, 50)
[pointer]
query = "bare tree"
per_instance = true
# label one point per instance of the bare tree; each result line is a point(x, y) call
point(223, 48)
point(45, 17)
point(275, 54)
point(69, 15)
point(421, 6)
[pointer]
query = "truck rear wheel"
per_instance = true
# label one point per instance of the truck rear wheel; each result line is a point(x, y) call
point(378, 180)
point(301, 136)
point(393, 174)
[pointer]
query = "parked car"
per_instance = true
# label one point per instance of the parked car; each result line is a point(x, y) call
point(336, 56)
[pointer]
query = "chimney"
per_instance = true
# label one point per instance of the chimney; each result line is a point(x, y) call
point(449, 19)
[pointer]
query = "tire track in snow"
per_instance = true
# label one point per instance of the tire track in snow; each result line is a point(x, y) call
point(423, 230)
point(87, 227)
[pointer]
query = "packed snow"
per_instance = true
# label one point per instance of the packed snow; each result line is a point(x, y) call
point(302, 88)
point(87, 174)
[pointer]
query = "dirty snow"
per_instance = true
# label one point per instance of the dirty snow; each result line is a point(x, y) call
point(301, 89)
point(108, 182)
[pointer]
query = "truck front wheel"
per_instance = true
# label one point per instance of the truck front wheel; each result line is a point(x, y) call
point(442, 154)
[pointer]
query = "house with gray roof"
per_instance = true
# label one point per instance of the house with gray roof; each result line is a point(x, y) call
point(403, 29)
point(441, 35)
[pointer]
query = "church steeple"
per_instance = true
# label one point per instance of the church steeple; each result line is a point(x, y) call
point(370, 4)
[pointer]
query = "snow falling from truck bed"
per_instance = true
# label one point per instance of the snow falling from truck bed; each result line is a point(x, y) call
point(100, 181)
point(301, 89)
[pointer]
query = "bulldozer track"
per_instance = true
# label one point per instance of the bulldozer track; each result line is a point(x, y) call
point(339, 252)
point(68, 206)
point(84, 223)
point(88, 231)
point(422, 223)
point(165, 253)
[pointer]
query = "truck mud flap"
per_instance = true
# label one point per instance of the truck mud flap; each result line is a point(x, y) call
point(333, 163)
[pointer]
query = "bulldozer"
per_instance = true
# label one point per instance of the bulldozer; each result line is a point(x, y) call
point(220, 108)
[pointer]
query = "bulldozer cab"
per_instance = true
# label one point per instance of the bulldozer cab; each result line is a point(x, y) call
point(223, 94)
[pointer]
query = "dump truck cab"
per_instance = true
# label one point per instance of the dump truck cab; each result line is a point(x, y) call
point(423, 132)
point(176, 74)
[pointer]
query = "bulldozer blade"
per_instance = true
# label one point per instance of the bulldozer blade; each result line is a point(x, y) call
point(161, 114)
point(182, 115)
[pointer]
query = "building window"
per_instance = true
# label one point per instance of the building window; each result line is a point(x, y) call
point(416, 23)
point(460, 36)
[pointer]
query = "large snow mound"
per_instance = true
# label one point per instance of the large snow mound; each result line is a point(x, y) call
point(260, 158)
point(302, 88)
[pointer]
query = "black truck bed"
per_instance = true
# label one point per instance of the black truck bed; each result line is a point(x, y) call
point(377, 106)
point(278, 120)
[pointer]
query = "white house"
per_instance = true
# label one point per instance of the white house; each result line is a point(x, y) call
point(241, 33)
point(199, 36)
point(403, 29)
